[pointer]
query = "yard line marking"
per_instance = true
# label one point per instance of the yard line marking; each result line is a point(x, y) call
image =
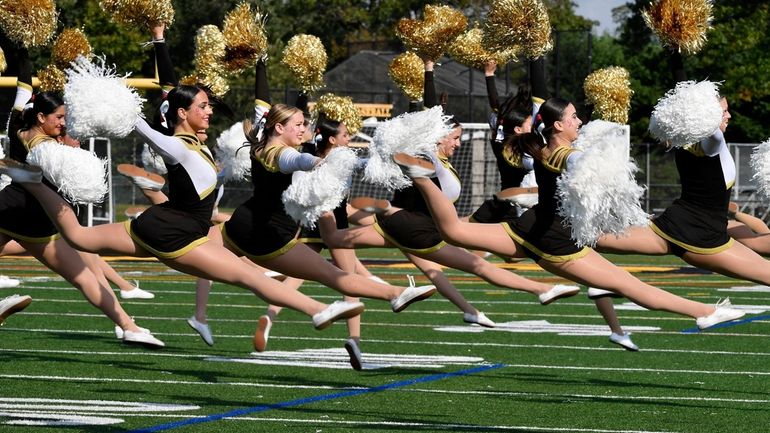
point(447, 427)
point(640, 370)
point(319, 398)
point(726, 324)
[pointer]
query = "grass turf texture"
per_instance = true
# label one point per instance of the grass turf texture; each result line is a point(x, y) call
point(62, 351)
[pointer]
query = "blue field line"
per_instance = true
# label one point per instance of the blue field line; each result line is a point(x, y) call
point(306, 400)
point(696, 330)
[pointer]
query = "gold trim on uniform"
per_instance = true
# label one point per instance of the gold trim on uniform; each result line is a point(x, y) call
point(694, 148)
point(557, 161)
point(161, 254)
point(690, 248)
point(310, 240)
point(262, 258)
point(512, 158)
point(543, 255)
point(260, 103)
point(268, 157)
point(536, 100)
point(34, 240)
point(193, 143)
point(34, 141)
point(428, 250)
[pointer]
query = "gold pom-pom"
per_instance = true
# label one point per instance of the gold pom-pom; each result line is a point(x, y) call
point(52, 79)
point(431, 36)
point(3, 63)
point(209, 57)
point(609, 90)
point(30, 23)
point(305, 57)
point(339, 108)
point(245, 37)
point(680, 24)
point(140, 12)
point(518, 23)
point(70, 44)
point(408, 72)
point(468, 50)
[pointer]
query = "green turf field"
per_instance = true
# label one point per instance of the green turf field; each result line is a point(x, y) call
point(545, 369)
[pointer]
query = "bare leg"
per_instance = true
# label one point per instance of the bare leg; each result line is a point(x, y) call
point(636, 240)
point(757, 241)
point(11, 247)
point(113, 276)
point(595, 271)
point(607, 310)
point(443, 285)
point(346, 260)
point(738, 261)
point(752, 222)
point(202, 291)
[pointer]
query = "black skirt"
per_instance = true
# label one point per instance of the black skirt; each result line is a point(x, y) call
point(410, 231)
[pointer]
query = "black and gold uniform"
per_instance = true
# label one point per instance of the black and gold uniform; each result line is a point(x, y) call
point(313, 236)
point(412, 228)
point(512, 170)
point(21, 216)
point(173, 228)
point(260, 228)
point(540, 230)
point(697, 220)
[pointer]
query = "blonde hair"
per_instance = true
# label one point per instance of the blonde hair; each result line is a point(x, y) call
point(279, 113)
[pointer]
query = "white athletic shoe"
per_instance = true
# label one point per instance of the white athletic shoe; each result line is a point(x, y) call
point(274, 274)
point(21, 173)
point(557, 292)
point(7, 282)
point(142, 338)
point(723, 313)
point(262, 333)
point(136, 293)
point(414, 167)
point(594, 293)
point(356, 360)
point(624, 341)
point(203, 330)
point(142, 178)
point(13, 304)
point(335, 311)
point(410, 295)
point(119, 331)
point(479, 319)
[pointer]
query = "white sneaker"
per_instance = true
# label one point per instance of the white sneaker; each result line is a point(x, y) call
point(557, 292)
point(356, 360)
point(594, 293)
point(414, 167)
point(410, 295)
point(624, 341)
point(479, 319)
point(136, 293)
point(7, 282)
point(274, 274)
point(142, 338)
point(378, 279)
point(203, 330)
point(335, 311)
point(119, 331)
point(13, 304)
point(723, 313)
point(142, 178)
point(262, 333)
point(21, 173)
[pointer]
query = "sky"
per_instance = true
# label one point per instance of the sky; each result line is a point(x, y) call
point(599, 10)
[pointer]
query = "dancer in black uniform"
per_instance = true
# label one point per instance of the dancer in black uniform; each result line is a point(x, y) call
point(540, 233)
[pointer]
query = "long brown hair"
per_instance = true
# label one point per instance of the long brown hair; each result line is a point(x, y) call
point(533, 143)
point(279, 113)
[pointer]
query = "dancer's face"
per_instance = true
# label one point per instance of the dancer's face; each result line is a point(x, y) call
point(199, 113)
point(526, 126)
point(725, 115)
point(52, 124)
point(450, 142)
point(569, 124)
point(342, 139)
point(293, 131)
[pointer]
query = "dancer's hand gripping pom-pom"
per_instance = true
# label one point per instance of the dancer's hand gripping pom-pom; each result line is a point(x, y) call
point(98, 101)
point(321, 190)
point(687, 114)
point(79, 175)
point(410, 133)
point(598, 191)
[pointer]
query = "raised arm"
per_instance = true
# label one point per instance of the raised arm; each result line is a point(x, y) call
point(429, 97)
point(489, 76)
point(166, 74)
point(23, 92)
point(261, 92)
point(537, 84)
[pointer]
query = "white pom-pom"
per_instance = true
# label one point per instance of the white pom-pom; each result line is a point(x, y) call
point(4, 181)
point(598, 193)
point(411, 133)
point(322, 189)
point(152, 161)
point(98, 101)
point(760, 162)
point(79, 175)
point(233, 153)
point(687, 114)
